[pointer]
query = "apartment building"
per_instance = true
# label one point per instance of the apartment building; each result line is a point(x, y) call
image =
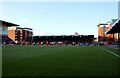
point(18, 34)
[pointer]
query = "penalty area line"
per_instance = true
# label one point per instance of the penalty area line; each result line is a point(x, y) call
point(110, 52)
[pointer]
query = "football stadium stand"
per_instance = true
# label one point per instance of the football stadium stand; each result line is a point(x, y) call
point(115, 28)
point(13, 33)
point(4, 33)
point(66, 39)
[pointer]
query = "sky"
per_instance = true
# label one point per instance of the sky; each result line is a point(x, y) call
point(59, 0)
point(60, 18)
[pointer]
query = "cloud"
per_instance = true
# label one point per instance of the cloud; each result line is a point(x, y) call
point(24, 21)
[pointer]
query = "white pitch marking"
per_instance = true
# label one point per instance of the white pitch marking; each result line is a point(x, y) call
point(110, 52)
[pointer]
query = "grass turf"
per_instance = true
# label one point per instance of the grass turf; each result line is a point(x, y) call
point(58, 61)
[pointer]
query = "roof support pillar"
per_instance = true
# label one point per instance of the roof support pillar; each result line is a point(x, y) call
point(113, 37)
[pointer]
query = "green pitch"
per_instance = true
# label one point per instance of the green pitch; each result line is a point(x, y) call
point(58, 61)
